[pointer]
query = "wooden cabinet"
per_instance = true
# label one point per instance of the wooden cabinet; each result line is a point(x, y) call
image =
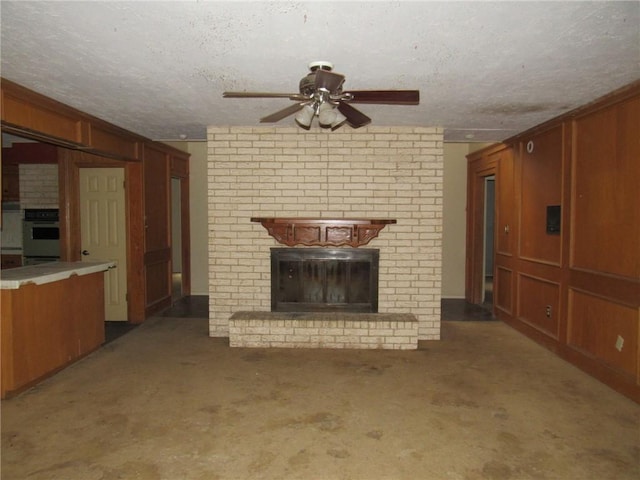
point(46, 327)
point(23, 153)
point(11, 261)
point(29, 152)
point(10, 182)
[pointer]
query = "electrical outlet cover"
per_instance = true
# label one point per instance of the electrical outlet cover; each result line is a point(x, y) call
point(619, 343)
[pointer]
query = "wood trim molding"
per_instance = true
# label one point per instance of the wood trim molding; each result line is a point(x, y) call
point(480, 164)
point(89, 141)
point(323, 232)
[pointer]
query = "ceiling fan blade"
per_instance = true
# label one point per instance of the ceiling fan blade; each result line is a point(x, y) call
point(388, 97)
point(285, 112)
point(329, 80)
point(292, 96)
point(355, 117)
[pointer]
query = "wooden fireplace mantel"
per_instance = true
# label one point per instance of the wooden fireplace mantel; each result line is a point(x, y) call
point(323, 232)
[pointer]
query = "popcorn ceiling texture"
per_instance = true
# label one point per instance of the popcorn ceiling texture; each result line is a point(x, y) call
point(374, 172)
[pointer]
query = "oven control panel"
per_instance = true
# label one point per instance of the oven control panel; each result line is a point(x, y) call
point(42, 214)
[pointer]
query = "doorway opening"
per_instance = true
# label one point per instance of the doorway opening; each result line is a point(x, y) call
point(176, 240)
point(488, 242)
point(481, 221)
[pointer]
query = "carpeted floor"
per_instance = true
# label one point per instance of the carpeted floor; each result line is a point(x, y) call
point(165, 401)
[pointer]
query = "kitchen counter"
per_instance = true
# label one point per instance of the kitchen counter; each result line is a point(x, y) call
point(52, 315)
point(49, 272)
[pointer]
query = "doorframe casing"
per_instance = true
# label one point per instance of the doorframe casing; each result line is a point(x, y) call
point(69, 163)
point(181, 204)
point(179, 170)
point(478, 169)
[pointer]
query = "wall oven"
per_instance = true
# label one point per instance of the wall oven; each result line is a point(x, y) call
point(40, 235)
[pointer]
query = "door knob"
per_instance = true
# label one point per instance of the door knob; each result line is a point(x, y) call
point(85, 252)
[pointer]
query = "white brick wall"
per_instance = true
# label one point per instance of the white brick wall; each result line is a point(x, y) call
point(375, 172)
point(38, 185)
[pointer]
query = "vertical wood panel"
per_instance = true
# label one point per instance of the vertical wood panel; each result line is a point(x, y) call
point(87, 296)
point(156, 199)
point(506, 212)
point(541, 186)
point(135, 241)
point(158, 289)
point(536, 295)
point(503, 289)
point(157, 211)
point(605, 330)
point(7, 380)
point(606, 197)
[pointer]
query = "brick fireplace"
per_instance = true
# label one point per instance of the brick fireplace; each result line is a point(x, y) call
point(374, 172)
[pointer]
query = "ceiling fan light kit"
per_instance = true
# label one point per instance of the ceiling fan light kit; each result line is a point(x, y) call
point(305, 117)
point(321, 95)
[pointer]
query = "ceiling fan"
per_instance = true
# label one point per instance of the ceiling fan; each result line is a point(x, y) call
point(321, 94)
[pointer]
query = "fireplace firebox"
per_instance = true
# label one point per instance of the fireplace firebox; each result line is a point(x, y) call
point(324, 280)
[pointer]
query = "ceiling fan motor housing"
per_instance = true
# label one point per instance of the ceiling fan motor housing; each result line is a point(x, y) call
point(307, 84)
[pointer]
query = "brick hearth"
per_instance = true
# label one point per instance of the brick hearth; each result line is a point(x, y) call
point(390, 331)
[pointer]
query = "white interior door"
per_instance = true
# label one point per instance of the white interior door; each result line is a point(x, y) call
point(103, 232)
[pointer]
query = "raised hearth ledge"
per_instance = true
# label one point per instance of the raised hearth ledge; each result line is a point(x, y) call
point(323, 232)
point(339, 330)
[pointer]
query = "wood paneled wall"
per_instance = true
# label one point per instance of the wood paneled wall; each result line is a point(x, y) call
point(577, 291)
point(82, 140)
point(157, 229)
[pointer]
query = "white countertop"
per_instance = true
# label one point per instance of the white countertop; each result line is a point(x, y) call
point(49, 272)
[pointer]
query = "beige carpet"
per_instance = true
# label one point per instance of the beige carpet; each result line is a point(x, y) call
point(167, 402)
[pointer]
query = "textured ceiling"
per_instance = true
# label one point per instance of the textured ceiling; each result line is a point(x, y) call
point(487, 69)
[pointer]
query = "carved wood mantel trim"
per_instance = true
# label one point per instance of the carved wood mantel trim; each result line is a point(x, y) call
point(323, 232)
